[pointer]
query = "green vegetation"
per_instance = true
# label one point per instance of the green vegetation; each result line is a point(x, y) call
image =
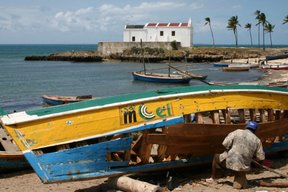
point(249, 26)
point(208, 21)
point(233, 23)
point(269, 28)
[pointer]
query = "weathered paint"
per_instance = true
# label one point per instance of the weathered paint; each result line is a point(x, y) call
point(95, 118)
point(90, 162)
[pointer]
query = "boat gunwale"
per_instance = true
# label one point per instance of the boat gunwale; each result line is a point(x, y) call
point(6, 120)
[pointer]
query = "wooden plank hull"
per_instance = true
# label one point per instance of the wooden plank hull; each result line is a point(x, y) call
point(160, 78)
point(82, 120)
point(142, 132)
point(275, 67)
point(60, 100)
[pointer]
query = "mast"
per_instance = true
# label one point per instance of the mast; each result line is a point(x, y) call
point(143, 59)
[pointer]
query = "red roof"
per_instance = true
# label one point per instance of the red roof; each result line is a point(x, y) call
point(151, 24)
point(174, 24)
point(163, 24)
point(167, 24)
point(184, 25)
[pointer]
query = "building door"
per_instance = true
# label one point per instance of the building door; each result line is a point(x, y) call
point(133, 38)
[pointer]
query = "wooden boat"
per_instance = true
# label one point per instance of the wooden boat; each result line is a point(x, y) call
point(220, 64)
point(59, 99)
point(160, 77)
point(275, 57)
point(235, 69)
point(275, 67)
point(144, 131)
point(283, 84)
point(11, 158)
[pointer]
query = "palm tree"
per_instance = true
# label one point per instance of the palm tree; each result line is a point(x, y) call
point(208, 21)
point(269, 28)
point(257, 13)
point(285, 20)
point(233, 23)
point(263, 21)
point(249, 26)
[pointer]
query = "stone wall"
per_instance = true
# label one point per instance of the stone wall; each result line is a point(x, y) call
point(107, 48)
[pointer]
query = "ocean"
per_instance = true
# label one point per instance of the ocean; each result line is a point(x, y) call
point(22, 83)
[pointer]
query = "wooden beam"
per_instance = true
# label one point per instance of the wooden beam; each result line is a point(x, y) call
point(262, 115)
point(270, 115)
point(187, 118)
point(226, 114)
point(241, 113)
point(277, 114)
point(215, 117)
point(145, 148)
point(252, 113)
point(199, 118)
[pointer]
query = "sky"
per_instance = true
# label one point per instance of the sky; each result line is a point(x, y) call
point(93, 21)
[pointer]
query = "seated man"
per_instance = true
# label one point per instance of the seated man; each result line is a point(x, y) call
point(241, 147)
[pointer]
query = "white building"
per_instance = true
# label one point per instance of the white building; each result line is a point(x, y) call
point(160, 32)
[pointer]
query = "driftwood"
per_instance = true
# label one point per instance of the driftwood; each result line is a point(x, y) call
point(128, 184)
point(269, 169)
point(267, 184)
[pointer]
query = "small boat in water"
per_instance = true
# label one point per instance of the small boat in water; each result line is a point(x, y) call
point(235, 69)
point(59, 99)
point(275, 67)
point(220, 65)
point(160, 77)
point(145, 131)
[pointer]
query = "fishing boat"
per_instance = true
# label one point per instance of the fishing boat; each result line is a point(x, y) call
point(220, 64)
point(283, 84)
point(275, 67)
point(60, 99)
point(169, 77)
point(160, 77)
point(145, 131)
point(11, 158)
point(235, 69)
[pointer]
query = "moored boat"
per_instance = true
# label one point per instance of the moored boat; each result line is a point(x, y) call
point(275, 67)
point(160, 77)
point(238, 68)
point(60, 99)
point(131, 133)
point(220, 64)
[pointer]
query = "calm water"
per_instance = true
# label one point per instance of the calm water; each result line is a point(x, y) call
point(23, 82)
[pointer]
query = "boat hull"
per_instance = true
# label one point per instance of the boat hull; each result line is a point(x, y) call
point(132, 133)
point(161, 78)
point(275, 67)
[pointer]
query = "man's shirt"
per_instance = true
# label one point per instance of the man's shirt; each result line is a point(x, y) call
point(242, 146)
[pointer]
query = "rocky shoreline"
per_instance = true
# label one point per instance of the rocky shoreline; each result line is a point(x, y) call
point(194, 54)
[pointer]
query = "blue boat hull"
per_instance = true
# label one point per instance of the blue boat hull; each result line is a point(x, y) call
point(91, 161)
point(220, 65)
point(161, 80)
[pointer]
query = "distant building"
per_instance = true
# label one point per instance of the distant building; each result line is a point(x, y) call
point(160, 32)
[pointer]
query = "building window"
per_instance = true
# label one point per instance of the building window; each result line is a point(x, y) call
point(133, 38)
point(161, 33)
point(172, 33)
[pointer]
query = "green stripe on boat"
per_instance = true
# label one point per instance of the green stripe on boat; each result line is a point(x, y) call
point(146, 95)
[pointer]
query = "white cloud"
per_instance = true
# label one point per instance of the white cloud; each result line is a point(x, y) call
point(109, 16)
point(196, 6)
